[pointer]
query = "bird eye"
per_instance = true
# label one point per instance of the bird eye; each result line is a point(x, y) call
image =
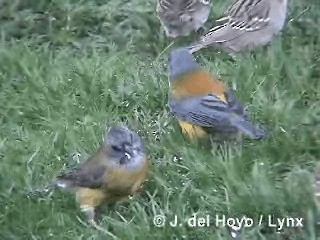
point(115, 148)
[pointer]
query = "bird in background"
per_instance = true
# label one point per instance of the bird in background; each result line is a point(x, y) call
point(245, 25)
point(116, 171)
point(204, 105)
point(181, 17)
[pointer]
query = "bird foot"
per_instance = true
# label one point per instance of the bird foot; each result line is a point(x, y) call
point(89, 211)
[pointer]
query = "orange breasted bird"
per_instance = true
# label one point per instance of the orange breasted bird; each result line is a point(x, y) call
point(116, 171)
point(203, 104)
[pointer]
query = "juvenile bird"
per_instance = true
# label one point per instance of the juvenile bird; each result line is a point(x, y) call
point(180, 17)
point(202, 103)
point(117, 170)
point(246, 24)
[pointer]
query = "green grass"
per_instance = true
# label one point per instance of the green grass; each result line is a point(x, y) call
point(69, 68)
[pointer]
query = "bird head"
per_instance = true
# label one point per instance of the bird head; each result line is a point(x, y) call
point(181, 62)
point(124, 146)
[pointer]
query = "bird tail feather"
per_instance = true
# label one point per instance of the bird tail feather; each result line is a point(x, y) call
point(195, 47)
point(49, 187)
point(248, 128)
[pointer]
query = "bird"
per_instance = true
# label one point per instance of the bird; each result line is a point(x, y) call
point(117, 170)
point(181, 17)
point(245, 25)
point(203, 104)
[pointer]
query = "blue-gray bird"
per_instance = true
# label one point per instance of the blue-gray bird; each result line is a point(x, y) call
point(203, 104)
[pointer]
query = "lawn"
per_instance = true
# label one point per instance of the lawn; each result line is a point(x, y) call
point(70, 68)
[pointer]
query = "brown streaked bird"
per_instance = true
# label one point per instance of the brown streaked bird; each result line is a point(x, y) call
point(203, 104)
point(116, 171)
point(181, 17)
point(246, 24)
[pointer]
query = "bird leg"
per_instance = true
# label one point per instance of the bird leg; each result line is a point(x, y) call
point(90, 213)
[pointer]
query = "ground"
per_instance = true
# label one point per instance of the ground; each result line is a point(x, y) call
point(70, 68)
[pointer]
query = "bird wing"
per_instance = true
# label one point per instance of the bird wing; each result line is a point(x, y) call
point(241, 17)
point(235, 105)
point(205, 111)
point(249, 15)
point(211, 112)
point(85, 175)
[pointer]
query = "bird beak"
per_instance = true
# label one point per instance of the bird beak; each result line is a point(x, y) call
point(127, 155)
point(126, 158)
point(128, 152)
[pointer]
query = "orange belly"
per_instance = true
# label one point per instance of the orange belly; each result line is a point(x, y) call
point(197, 83)
point(119, 185)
